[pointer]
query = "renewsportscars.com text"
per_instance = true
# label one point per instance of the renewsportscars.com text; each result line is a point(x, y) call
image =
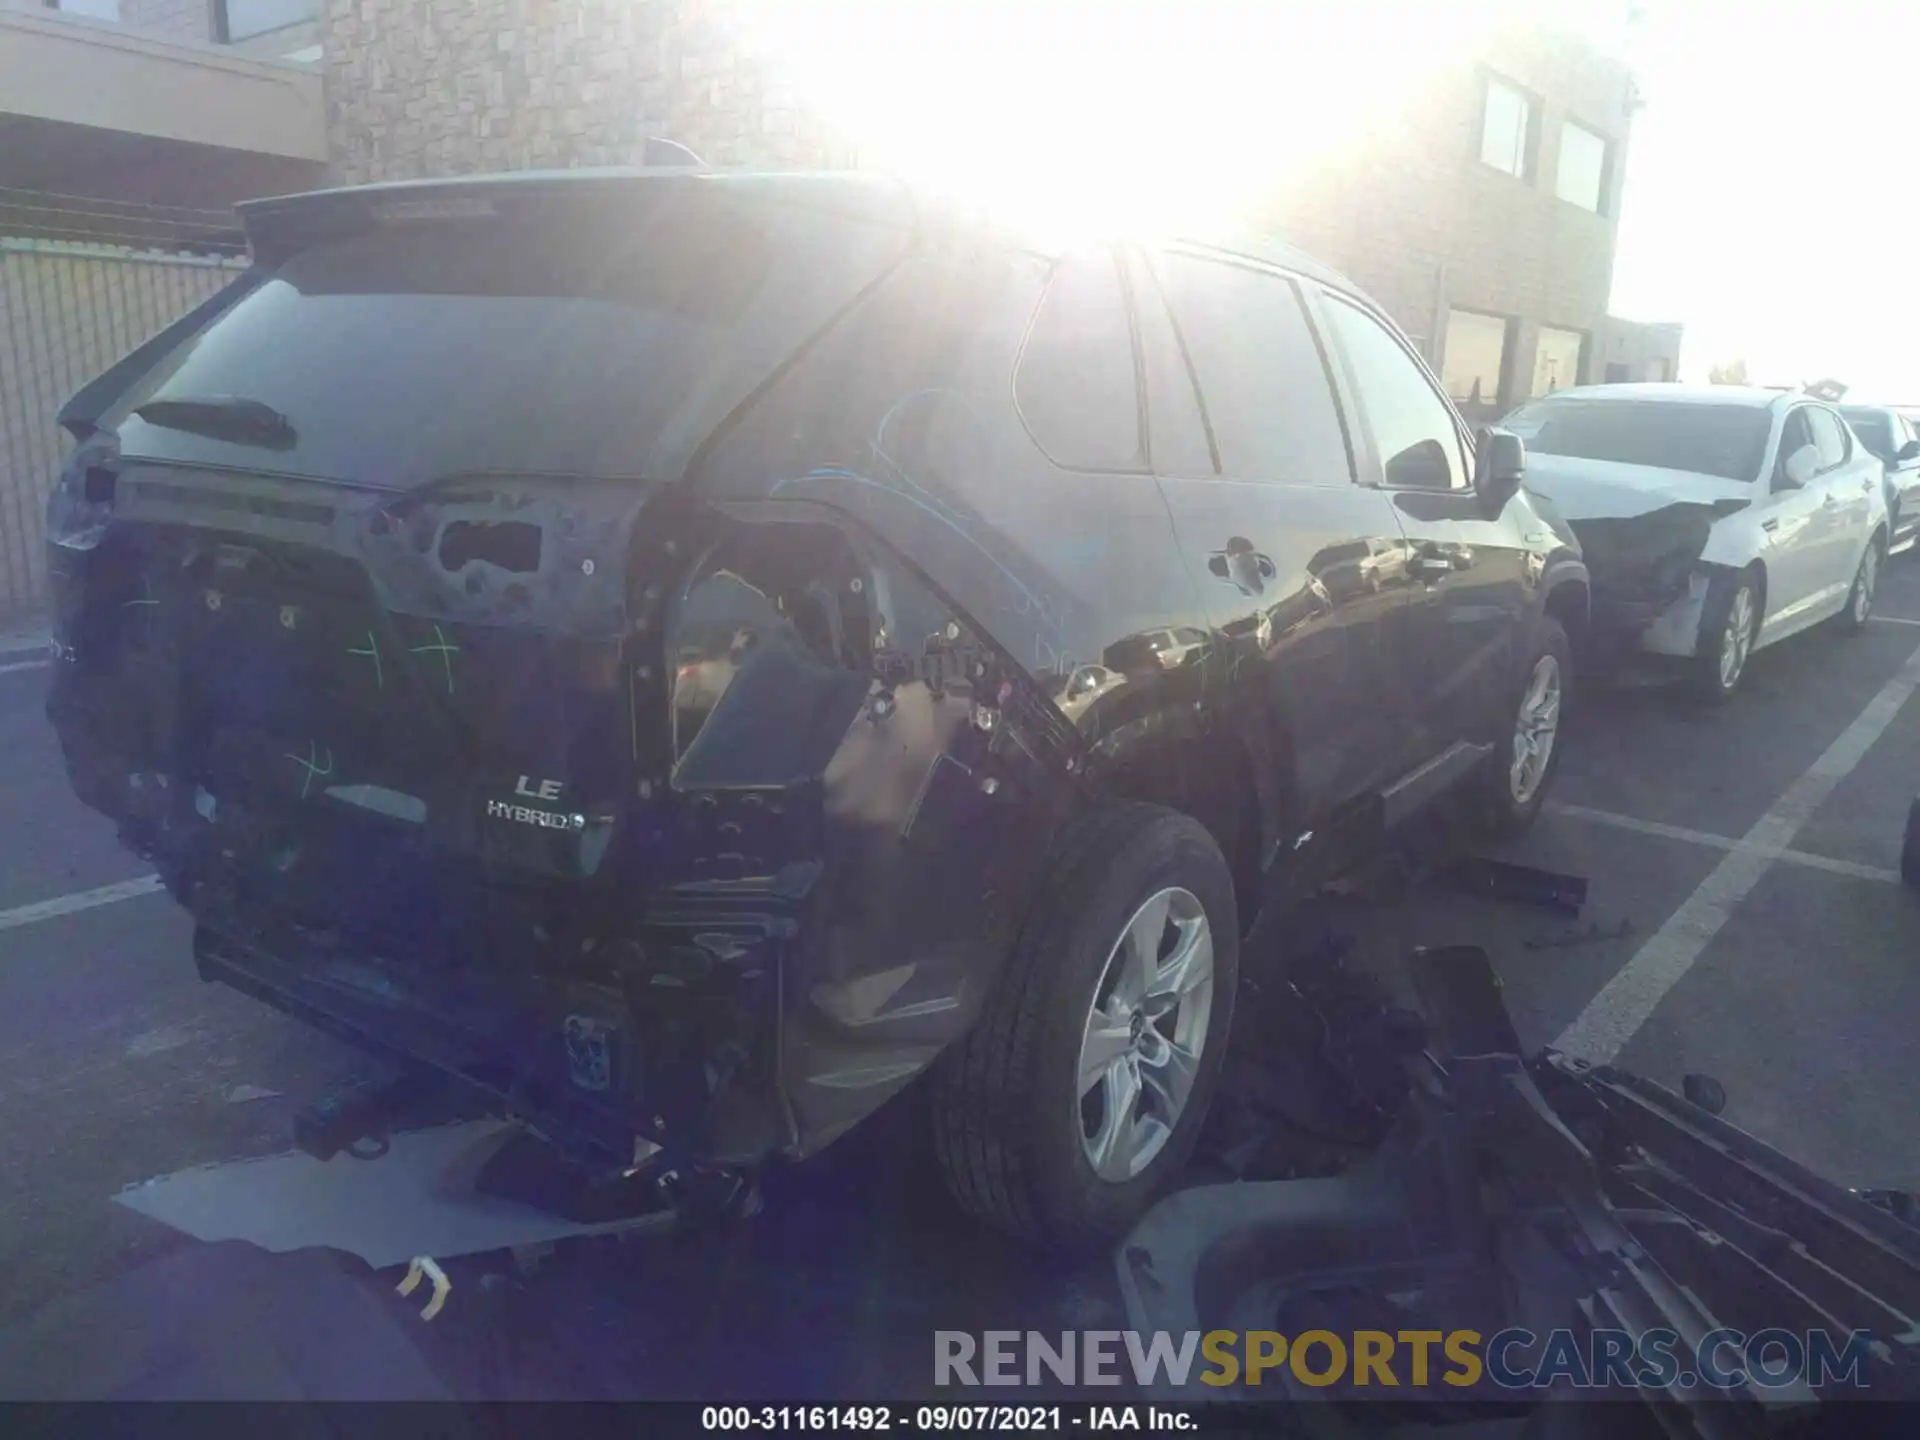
point(1510, 1359)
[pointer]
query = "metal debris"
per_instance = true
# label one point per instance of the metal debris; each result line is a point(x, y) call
point(1522, 884)
point(442, 1287)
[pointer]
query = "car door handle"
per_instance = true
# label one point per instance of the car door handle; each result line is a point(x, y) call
point(1769, 525)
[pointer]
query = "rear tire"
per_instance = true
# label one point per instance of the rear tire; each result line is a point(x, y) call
point(1728, 631)
point(1024, 1144)
point(1516, 778)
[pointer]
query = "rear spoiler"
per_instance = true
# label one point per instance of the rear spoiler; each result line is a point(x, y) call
point(281, 227)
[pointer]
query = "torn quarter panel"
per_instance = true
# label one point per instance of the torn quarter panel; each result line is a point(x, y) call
point(817, 674)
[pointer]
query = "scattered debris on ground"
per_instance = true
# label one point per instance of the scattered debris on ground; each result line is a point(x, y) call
point(1521, 884)
point(1593, 933)
point(1311, 1083)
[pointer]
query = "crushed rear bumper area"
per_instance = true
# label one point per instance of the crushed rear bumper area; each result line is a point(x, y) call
point(701, 861)
point(532, 1065)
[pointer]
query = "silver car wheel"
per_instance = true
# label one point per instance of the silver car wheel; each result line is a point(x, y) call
point(1737, 641)
point(1535, 730)
point(1145, 1032)
point(1864, 582)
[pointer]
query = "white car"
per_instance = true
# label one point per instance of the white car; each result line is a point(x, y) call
point(1176, 647)
point(1715, 519)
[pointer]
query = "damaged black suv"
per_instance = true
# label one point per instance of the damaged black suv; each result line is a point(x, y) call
point(687, 654)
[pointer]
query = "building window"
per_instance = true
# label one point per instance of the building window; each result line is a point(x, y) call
point(1583, 168)
point(92, 9)
point(244, 19)
point(1506, 133)
point(1475, 359)
point(1556, 361)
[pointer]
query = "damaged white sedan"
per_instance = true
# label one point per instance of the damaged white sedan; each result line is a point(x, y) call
point(1715, 519)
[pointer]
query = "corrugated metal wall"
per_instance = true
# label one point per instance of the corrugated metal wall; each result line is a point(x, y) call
point(67, 311)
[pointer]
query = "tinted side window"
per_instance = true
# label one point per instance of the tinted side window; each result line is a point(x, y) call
point(1412, 427)
point(1177, 442)
point(1261, 379)
point(1075, 384)
point(1829, 437)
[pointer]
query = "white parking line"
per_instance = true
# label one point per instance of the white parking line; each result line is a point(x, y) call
point(1613, 1016)
point(1893, 620)
point(1724, 842)
point(24, 665)
point(81, 900)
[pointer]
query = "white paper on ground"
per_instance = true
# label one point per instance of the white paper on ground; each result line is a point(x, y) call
point(415, 1200)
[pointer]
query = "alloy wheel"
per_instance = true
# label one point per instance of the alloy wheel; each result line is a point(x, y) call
point(1737, 642)
point(1863, 584)
point(1145, 1032)
point(1535, 729)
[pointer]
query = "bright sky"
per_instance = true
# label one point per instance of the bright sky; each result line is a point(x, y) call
point(1771, 188)
point(1766, 202)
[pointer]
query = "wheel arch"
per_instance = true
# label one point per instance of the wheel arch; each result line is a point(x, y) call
point(1569, 600)
point(1215, 779)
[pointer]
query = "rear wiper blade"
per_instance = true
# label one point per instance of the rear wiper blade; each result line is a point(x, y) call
point(223, 417)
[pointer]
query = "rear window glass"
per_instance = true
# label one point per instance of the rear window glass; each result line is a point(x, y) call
point(596, 342)
point(1707, 439)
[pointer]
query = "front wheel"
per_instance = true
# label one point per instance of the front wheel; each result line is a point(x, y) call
point(1515, 782)
point(1081, 1090)
point(1721, 654)
point(1866, 580)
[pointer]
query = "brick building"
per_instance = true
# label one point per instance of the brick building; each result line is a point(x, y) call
point(1483, 212)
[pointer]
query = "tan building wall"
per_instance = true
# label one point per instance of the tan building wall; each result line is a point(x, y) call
point(66, 313)
point(454, 86)
point(1626, 350)
point(1417, 218)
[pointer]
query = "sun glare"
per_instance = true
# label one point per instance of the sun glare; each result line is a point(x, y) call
point(1083, 118)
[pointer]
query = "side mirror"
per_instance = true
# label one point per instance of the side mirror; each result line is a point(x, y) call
point(1799, 467)
point(1907, 452)
point(1499, 465)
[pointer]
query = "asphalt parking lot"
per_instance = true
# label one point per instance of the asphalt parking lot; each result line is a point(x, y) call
point(1749, 854)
